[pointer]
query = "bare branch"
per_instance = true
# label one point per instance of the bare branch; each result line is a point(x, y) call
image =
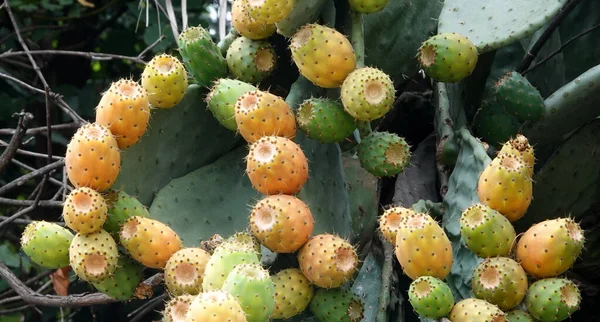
point(29, 153)
point(52, 180)
point(16, 309)
point(31, 280)
point(140, 312)
point(30, 208)
point(89, 55)
point(143, 53)
point(22, 203)
point(41, 129)
point(16, 139)
point(41, 171)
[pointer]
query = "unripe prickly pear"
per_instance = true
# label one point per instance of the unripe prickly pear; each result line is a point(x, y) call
point(222, 98)
point(519, 316)
point(389, 222)
point(276, 165)
point(550, 248)
point(519, 97)
point(215, 306)
point(184, 271)
point(121, 206)
point(368, 93)
point(486, 232)
point(93, 159)
point(553, 299)
point(430, 297)
point(325, 120)
point(247, 238)
point(251, 60)
point(123, 282)
point(84, 210)
point(368, 6)
point(225, 257)
point(476, 310)
point(268, 11)
point(500, 281)
point(94, 256)
point(125, 109)
point(337, 305)
point(520, 146)
point(246, 26)
point(165, 81)
point(259, 114)
point(253, 288)
point(493, 124)
point(422, 247)
point(47, 244)
point(448, 57)
point(384, 154)
point(323, 55)
point(328, 261)
point(177, 308)
point(201, 56)
point(293, 293)
point(149, 241)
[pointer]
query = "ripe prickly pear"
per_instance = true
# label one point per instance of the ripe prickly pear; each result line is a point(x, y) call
point(184, 271)
point(253, 288)
point(84, 210)
point(276, 165)
point(519, 316)
point(448, 57)
point(328, 261)
point(549, 248)
point(259, 114)
point(268, 11)
point(520, 146)
point(384, 154)
point(177, 308)
point(519, 97)
point(149, 241)
point(552, 299)
point(225, 257)
point(430, 297)
point(251, 60)
point(94, 256)
point(368, 6)
point(337, 305)
point(389, 222)
point(125, 109)
point(486, 232)
point(323, 55)
point(222, 98)
point(165, 81)
point(201, 56)
point(368, 93)
point(47, 244)
point(293, 293)
point(422, 247)
point(246, 26)
point(215, 306)
point(121, 206)
point(500, 281)
point(122, 283)
point(476, 310)
point(325, 120)
point(93, 159)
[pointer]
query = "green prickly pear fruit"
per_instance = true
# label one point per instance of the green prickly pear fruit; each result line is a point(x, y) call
point(384, 154)
point(493, 124)
point(215, 306)
point(368, 93)
point(247, 238)
point(500, 281)
point(447, 151)
point(248, 27)
point(149, 241)
point(84, 210)
point(121, 206)
point(47, 244)
point(201, 56)
point(519, 97)
point(293, 293)
point(476, 310)
point(253, 288)
point(389, 222)
point(328, 261)
point(422, 247)
point(282, 223)
point(519, 316)
point(337, 305)
point(184, 271)
point(323, 55)
point(123, 282)
point(325, 120)
point(486, 232)
point(520, 146)
point(225, 257)
point(368, 6)
point(165, 80)
point(177, 308)
point(448, 57)
point(553, 299)
point(268, 11)
point(94, 256)
point(550, 248)
point(430, 297)
point(251, 60)
point(222, 98)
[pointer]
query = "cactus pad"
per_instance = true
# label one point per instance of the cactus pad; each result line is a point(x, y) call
point(519, 97)
point(122, 283)
point(201, 56)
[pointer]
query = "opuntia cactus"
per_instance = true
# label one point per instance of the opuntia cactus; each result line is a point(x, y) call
point(201, 56)
point(121, 206)
point(389, 222)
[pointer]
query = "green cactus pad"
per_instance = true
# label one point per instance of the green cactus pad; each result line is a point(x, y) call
point(384, 154)
point(47, 244)
point(519, 97)
point(368, 6)
point(201, 56)
point(122, 283)
point(448, 57)
point(222, 98)
point(519, 316)
point(368, 93)
point(494, 125)
point(252, 286)
point(500, 281)
point(303, 12)
point(225, 257)
point(325, 120)
point(251, 60)
point(430, 297)
point(121, 206)
point(553, 299)
point(337, 305)
point(486, 232)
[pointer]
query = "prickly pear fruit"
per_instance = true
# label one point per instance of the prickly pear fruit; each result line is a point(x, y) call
point(486, 232)
point(248, 27)
point(325, 120)
point(500, 281)
point(222, 98)
point(505, 186)
point(125, 109)
point(259, 114)
point(430, 297)
point(368, 93)
point(549, 248)
point(121, 206)
point(422, 247)
point(122, 283)
point(94, 256)
point(149, 241)
point(253, 288)
point(93, 159)
point(47, 244)
point(268, 11)
point(184, 271)
point(328, 261)
point(276, 165)
point(282, 223)
point(389, 222)
point(251, 60)
point(165, 81)
point(493, 124)
point(520, 146)
point(337, 305)
point(448, 57)
point(293, 293)
point(84, 210)
point(225, 257)
point(476, 310)
point(368, 6)
point(248, 238)
point(201, 56)
point(177, 308)
point(215, 306)
point(384, 154)
point(519, 97)
point(519, 316)
point(552, 299)
point(323, 55)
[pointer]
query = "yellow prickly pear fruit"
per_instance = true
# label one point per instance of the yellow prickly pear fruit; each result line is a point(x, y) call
point(165, 81)
point(389, 222)
point(93, 256)
point(293, 293)
point(85, 210)
point(268, 11)
point(248, 27)
point(177, 308)
point(328, 261)
point(476, 310)
point(184, 271)
point(520, 146)
point(215, 306)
